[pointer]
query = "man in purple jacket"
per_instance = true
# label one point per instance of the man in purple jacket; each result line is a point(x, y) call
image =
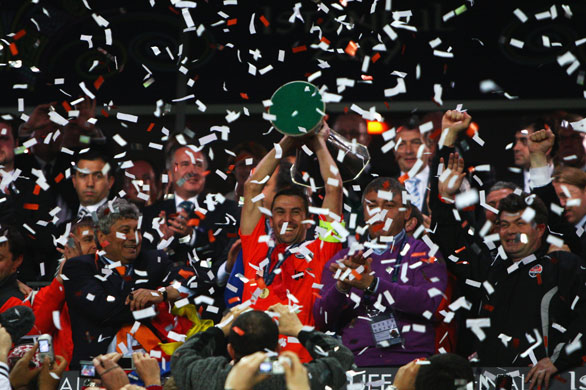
point(382, 295)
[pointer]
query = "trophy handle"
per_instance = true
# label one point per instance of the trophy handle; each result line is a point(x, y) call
point(355, 159)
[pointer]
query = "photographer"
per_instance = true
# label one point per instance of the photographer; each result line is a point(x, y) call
point(201, 362)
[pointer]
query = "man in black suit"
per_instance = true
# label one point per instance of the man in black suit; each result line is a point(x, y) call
point(195, 228)
point(570, 186)
point(106, 293)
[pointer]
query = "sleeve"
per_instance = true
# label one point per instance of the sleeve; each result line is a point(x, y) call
point(418, 293)
point(330, 361)
point(48, 300)
point(202, 356)
point(332, 305)
point(4, 377)
point(88, 295)
point(571, 290)
point(251, 248)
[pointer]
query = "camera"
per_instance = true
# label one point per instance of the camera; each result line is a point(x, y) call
point(87, 369)
point(273, 365)
point(46, 347)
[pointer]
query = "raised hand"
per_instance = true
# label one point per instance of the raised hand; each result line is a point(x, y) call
point(450, 185)
point(456, 122)
point(541, 141)
point(289, 324)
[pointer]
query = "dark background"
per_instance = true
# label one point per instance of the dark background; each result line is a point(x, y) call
point(218, 62)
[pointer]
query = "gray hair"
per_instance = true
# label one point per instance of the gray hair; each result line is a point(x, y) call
point(385, 184)
point(501, 185)
point(113, 211)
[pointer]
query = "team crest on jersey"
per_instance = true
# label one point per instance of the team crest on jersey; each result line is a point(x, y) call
point(536, 269)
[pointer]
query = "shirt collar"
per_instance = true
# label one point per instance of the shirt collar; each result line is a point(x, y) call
point(179, 199)
point(399, 237)
point(423, 175)
point(582, 223)
point(93, 207)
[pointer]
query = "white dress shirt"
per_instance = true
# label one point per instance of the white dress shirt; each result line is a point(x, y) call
point(423, 177)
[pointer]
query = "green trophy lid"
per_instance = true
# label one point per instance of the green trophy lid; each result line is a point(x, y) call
point(297, 105)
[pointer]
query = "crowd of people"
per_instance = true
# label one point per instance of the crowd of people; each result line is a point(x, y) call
point(435, 266)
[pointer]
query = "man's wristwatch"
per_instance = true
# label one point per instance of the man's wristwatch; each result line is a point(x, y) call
point(164, 294)
point(370, 289)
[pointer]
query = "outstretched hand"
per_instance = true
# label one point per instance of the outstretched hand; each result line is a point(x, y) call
point(449, 185)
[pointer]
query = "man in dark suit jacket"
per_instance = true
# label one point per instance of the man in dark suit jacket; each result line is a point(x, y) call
point(195, 228)
point(108, 291)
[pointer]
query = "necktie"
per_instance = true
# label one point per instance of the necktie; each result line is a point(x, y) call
point(413, 188)
point(82, 213)
point(187, 206)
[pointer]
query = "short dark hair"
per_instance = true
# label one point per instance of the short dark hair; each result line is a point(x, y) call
point(293, 191)
point(15, 240)
point(96, 154)
point(256, 332)
point(386, 184)
point(515, 203)
point(446, 371)
point(284, 175)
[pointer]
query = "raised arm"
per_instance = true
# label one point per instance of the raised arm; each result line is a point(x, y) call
point(329, 172)
point(256, 182)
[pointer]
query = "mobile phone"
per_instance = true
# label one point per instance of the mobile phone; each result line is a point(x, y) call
point(46, 347)
point(271, 366)
point(87, 369)
point(126, 363)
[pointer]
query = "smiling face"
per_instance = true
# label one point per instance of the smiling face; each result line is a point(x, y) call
point(409, 141)
point(188, 172)
point(124, 241)
point(289, 209)
point(91, 183)
point(493, 199)
point(519, 238)
point(382, 212)
point(575, 197)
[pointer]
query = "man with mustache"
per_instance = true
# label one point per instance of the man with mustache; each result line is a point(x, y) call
point(196, 228)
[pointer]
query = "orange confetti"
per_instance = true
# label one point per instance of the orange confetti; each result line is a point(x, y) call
point(19, 35)
point(211, 237)
point(30, 206)
point(418, 254)
point(403, 178)
point(316, 295)
point(238, 331)
point(232, 22)
point(356, 274)
point(539, 279)
point(99, 81)
point(193, 222)
point(233, 300)
point(460, 249)
point(299, 49)
point(366, 77)
point(244, 95)
point(375, 58)
point(150, 126)
point(105, 113)
point(261, 283)
point(185, 274)
point(325, 40)
point(104, 244)
point(59, 177)
point(66, 106)
point(37, 189)
point(264, 20)
point(13, 49)
point(199, 214)
point(351, 48)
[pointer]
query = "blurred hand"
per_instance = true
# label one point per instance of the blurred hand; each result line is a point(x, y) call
point(317, 141)
point(232, 254)
point(112, 375)
point(179, 225)
point(451, 185)
point(296, 374)
point(405, 377)
point(361, 280)
point(39, 117)
point(71, 249)
point(141, 298)
point(541, 141)
point(22, 373)
point(244, 375)
point(5, 344)
point(23, 288)
point(147, 368)
point(229, 318)
point(289, 324)
point(540, 374)
point(50, 376)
